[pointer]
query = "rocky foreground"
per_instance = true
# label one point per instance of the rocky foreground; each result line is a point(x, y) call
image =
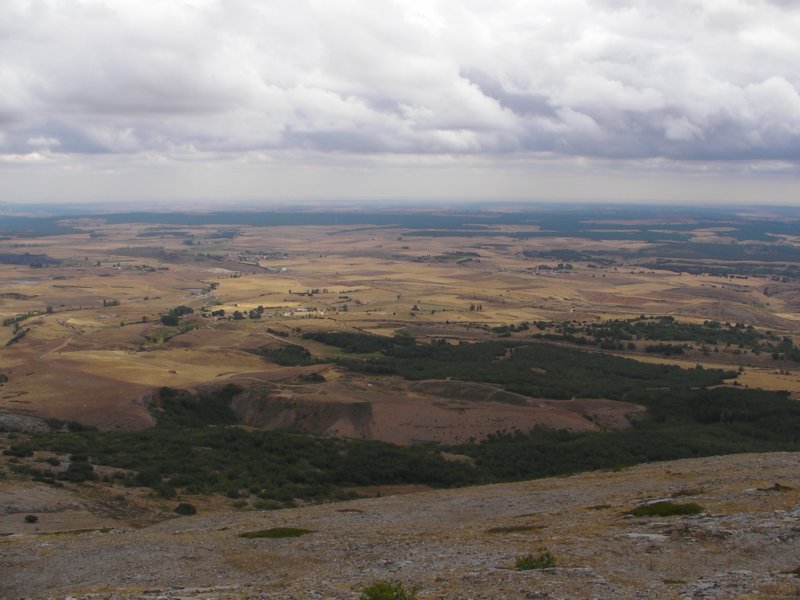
point(448, 544)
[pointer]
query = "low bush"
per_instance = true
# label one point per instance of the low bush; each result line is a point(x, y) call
point(165, 491)
point(268, 505)
point(688, 492)
point(78, 471)
point(184, 508)
point(276, 532)
point(387, 590)
point(529, 562)
point(666, 509)
point(776, 487)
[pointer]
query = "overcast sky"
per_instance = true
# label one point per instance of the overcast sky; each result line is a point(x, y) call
point(228, 100)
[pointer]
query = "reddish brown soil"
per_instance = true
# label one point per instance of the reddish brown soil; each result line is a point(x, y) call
point(448, 412)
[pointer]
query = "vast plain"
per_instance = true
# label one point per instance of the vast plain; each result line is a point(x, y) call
point(94, 346)
point(460, 346)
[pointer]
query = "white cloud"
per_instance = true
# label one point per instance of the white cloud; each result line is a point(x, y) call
point(689, 80)
point(43, 142)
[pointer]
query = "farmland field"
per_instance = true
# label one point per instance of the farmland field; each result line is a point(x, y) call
point(88, 295)
point(507, 345)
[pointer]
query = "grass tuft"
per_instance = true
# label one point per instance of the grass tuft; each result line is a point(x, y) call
point(276, 532)
point(666, 509)
point(528, 562)
point(387, 590)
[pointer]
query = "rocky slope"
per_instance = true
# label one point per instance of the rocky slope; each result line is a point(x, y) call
point(453, 544)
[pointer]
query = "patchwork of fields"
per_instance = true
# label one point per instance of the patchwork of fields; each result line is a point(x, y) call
point(88, 303)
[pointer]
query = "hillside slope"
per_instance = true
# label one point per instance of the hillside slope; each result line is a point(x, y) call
point(450, 544)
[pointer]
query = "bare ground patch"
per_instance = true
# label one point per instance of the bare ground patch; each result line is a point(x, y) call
point(437, 411)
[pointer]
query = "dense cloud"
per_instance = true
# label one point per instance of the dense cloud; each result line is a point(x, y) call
point(688, 80)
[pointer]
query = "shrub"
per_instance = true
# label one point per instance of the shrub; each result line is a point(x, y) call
point(528, 562)
point(170, 320)
point(148, 477)
point(165, 490)
point(184, 508)
point(78, 471)
point(777, 487)
point(313, 378)
point(268, 505)
point(688, 492)
point(18, 452)
point(276, 532)
point(290, 355)
point(666, 509)
point(31, 519)
point(387, 590)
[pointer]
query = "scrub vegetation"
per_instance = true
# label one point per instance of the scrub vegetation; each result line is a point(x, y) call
point(198, 447)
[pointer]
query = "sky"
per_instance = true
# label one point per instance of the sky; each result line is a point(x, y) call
point(225, 101)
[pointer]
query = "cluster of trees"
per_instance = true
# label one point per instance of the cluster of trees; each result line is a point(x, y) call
point(290, 355)
point(18, 335)
point(17, 319)
point(666, 349)
point(179, 408)
point(512, 328)
point(732, 270)
point(172, 318)
point(534, 369)
point(622, 333)
point(197, 448)
point(239, 315)
point(456, 256)
point(687, 424)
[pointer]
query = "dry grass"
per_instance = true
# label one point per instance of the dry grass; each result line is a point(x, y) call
point(81, 352)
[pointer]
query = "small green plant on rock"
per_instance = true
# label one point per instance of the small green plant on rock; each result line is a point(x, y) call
point(276, 532)
point(666, 509)
point(529, 562)
point(387, 590)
